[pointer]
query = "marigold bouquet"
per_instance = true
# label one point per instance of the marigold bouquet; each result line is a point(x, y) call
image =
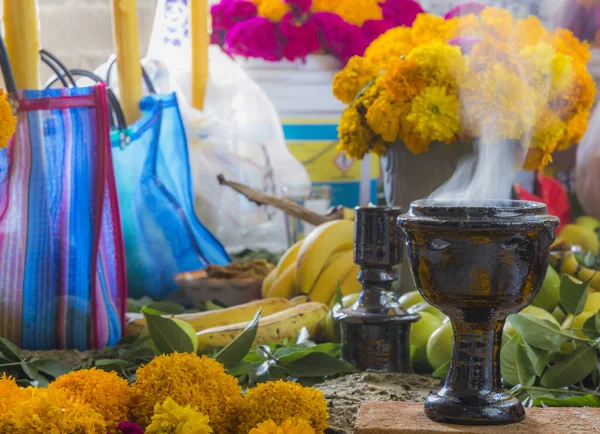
point(292, 29)
point(479, 74)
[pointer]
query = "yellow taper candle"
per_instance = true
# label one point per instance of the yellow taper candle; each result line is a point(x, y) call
point(200, 40)
point(127, 41)
point(22, 38)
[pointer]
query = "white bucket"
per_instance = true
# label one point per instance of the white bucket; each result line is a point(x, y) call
point(302, 95)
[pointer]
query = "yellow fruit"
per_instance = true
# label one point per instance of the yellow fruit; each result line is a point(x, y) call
point(589, 222)
point(578, 322)
point(299, 299)
point(285, 285)
point(593, 302)
point(189, 330)
point(531, 310)
point(410, 299)
point(213, 318)
point(549, 295)
point(288, 258)
point(349, 214)
point(420, 332)
point(350, 284)
point(581, 236)
point(268, 282)
point(274, 328)
point(325, 287)
point(318, 246)
point(439, 346)
point(565, 263)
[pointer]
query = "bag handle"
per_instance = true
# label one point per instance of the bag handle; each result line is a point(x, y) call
point(145, 76)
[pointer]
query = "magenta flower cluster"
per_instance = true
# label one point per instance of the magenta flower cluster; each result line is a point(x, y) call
point(239, 31)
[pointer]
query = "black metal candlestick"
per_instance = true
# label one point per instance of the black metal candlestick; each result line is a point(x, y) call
point(376, 330)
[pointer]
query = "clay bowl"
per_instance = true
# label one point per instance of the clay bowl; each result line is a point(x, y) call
point(230, 292)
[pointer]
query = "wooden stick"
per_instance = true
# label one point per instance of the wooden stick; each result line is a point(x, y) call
point(199, 42)
point(285, 205)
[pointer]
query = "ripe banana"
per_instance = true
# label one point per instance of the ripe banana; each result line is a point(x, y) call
point(318, 246)
point(285, 285)
point(203, 320)
point(565, 263)
point(333, 274)
point(268, 282)
point(271, 329)
point(350, 284)
point(299, 299)
point(288, 258)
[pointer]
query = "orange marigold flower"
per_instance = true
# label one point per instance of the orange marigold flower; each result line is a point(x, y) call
point(280, 401)
point(529, 31)
point(576, 127)
point(353, 12)
point(273, 10)
point(10, 394)
point(51, 411)
point(8, 121)
point(431, 28)
point(105, 392)
point(404, 79)
point(565, 42)
point(497, 23)
point(394, 43)
point(187, 378)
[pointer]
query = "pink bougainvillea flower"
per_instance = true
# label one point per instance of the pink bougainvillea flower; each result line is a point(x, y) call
point(372, 29)
point(341, 39)
point(256, 37)
point(466, 43)
point(400, 12)
point(300, 39)
point(130, 428)
point(465, 9)
point(299, 7)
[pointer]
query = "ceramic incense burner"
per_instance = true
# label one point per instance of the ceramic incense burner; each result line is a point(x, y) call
point(477, 262)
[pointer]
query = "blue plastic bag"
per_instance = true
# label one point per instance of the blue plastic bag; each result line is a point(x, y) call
point(162, 234)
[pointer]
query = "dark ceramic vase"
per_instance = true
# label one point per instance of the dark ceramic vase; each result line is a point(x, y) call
point(477, 262)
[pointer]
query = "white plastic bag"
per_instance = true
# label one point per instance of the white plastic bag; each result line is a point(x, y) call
point(238, 134)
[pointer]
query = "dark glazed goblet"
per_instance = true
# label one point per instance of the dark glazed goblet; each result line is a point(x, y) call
point(477, 262)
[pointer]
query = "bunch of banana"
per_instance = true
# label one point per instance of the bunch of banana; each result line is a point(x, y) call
point(565, 263)
point(222, 317)
point(316, 265)
point(275, 328)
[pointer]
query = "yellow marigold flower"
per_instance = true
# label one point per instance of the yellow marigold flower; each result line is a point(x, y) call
point(434, 114)
point(548, 130)
point(280, 401)
point(404, 79)
point(170, 417)
point(466, 26)
point(290, 426)
point(490, 52)
point(10, 394)
point(105, 392)
point(353, 78)
point(394, 43)
point(384, 119)
point(354, 12)
point(563, 74)
point(537, 159)
point(413, 141)
point(497, 23)
point(442, 63)
point(576, 127)
point(539, 57)
point(431, 28)
point(8, 121)
point(188, 379)
point(273, 10)
point(51, 411)
point(565, 42)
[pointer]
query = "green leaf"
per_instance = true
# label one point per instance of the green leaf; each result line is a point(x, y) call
point(574, 401)
point(538, 332)
point(10, 351)
point(30, 370)
point(525, 369)
point(339, 295)
point(442, 371)
point(572, 369)
point(508, 361)
point(539, 358)
point(237, 349)
point(135, 306)
point(314, 364)
point(573, 295)
point(116, 365)
point(590, 326)
point(167, 336)
point(166, 308)
point(53, 368)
